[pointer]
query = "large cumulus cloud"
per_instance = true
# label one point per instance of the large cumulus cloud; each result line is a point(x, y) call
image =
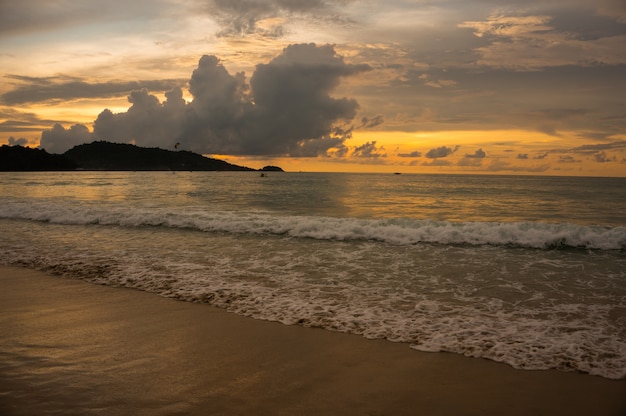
point(147, 122)
point(285, 109)
point(58, 139)
point(294, 113)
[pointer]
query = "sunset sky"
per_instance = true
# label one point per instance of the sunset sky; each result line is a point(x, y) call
point(437, 86)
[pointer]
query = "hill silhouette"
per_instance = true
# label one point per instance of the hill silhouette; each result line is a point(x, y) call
point(117, 156)
point(101, 155)
point(18, 158)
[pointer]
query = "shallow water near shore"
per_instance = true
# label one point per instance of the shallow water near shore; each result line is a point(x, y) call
point(530, 271)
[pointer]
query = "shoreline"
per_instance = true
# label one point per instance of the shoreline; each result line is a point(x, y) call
point(79, 348)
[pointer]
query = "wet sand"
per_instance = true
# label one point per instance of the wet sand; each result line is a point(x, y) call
point(70, 347)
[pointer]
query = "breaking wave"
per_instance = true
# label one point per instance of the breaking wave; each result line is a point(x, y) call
point(399, 231)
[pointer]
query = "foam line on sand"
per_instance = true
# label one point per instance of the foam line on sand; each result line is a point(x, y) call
point(71, 347)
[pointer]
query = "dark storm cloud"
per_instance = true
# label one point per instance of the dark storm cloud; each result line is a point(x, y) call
point(286, 109)
point(33, 90)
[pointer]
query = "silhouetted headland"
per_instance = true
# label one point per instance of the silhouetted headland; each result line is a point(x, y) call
point(18, 158)
point(103, 155)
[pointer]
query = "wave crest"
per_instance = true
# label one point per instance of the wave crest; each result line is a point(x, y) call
point(538, 235)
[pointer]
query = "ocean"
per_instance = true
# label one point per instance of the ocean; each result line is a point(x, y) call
point(529, 271)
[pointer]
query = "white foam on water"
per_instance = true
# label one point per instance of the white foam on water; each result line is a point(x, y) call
point(395, 231)
point(531, 294)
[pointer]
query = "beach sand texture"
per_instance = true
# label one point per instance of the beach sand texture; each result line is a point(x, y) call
point(74, 348)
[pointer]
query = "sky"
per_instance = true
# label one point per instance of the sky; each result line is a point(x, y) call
point(534, 87)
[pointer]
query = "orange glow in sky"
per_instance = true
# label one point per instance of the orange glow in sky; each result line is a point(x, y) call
point(511, 87)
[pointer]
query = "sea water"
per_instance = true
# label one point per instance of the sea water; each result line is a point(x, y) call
point(529, 271)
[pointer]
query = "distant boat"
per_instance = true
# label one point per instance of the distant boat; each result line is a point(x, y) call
point(397, 173)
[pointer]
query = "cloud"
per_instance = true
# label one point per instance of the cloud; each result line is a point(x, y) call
point(473, 162)
point(437, 162)
point(15, 120)
point(601, 153)
point(147, 122)
point(369, 123)
point(593, 148)
point(530, 42)
point(614, 9)
point(263, 17)
point(442, 151)
point(41, 15)
point(19, 125)
point(411, 154)
point(601, 157)
point(514, 27)
point(478, 154)
point(368, 150)
point(534, 66)
point(285, 109)
point(473, 159)
point(293, 108)
point(17, 142)
point(58, 139)
point(567, 159)
point(42, 89)
point(502, 166)
point(436, 83)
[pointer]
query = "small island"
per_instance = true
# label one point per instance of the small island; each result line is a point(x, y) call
point(107, 156)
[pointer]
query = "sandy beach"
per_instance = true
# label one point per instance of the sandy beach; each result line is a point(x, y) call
point(71, 347)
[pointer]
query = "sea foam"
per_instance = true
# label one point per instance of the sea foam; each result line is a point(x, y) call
point(538, 235)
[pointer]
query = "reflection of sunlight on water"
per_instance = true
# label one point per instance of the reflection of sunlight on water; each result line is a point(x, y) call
point(430, 197)
point(101, 186)
point(462, 198)
point(457, 198)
